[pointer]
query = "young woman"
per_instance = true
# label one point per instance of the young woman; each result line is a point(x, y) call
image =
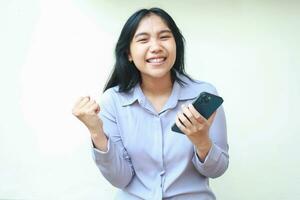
point(134, 146)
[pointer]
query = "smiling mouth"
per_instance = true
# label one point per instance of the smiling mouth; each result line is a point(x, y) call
point(156, 60)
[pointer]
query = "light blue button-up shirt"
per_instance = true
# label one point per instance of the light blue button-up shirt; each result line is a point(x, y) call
point(145, 158)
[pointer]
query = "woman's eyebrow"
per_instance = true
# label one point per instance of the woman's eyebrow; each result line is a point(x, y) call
point(141, 34)
point(165, 31)
point(147, 34)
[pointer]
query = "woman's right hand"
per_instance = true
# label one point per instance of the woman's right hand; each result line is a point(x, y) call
point(86, 110)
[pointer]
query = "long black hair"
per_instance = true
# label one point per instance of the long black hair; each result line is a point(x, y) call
point(125, 74)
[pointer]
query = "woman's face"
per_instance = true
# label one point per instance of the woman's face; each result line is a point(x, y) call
point(153, 48)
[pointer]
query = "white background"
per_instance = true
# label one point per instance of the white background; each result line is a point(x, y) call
point(52, 52)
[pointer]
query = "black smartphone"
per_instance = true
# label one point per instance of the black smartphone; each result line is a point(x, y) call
point(206, 104)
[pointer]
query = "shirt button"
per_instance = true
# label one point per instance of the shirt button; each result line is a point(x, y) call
point(162, 173)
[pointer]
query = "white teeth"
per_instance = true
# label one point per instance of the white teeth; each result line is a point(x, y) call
point(156, 60)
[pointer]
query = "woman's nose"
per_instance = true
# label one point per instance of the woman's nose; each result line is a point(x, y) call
point(155, 46)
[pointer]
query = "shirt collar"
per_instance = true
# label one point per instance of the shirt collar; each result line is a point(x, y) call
point(133, 95)
point(179, 92)
point(189, 89)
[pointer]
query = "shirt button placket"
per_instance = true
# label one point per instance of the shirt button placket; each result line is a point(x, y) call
point(162, 167)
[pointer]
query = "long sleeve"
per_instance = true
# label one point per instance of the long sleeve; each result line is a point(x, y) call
point(145, 158)
point(115, 164)
point(217, 159)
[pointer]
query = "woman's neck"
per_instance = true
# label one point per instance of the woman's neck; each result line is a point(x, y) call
point(156, 87)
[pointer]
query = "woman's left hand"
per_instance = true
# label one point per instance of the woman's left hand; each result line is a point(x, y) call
point(196, 128)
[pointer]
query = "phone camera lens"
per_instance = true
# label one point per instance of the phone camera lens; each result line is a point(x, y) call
point(206, 99)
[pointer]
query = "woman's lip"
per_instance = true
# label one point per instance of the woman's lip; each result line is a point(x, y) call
point(157, 60)
point(157, 63)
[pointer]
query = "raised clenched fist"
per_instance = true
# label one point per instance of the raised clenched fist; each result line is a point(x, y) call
point(86, 110)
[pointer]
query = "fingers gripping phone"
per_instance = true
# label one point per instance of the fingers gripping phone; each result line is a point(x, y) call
point(206, 104)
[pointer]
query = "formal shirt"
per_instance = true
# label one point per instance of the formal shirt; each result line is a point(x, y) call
point(145, 158)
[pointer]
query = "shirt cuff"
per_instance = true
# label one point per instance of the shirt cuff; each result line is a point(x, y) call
point(211, 158)
point(102, 156)
point(99, 151)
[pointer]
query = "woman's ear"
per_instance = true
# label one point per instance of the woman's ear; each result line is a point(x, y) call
point(129, 57)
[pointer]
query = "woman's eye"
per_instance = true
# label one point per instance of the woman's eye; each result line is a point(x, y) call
point(142, 40)
point(165, 37)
